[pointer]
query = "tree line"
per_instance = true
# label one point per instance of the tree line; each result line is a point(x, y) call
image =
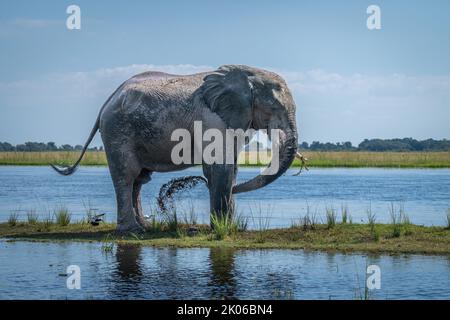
point(405, 144)
point(42, 146)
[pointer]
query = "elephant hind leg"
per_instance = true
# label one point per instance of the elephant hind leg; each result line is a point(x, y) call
point(124, 171)
point(126, 217)
point(143, 178)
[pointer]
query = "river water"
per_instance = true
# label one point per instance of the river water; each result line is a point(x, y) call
point(37, 270)
point(424, 194)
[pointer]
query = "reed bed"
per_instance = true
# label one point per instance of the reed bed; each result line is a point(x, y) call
point(315, 159)
point(378, 159)
point(63, 158)
point(357, 159)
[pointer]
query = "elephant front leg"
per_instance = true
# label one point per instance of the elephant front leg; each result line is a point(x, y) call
point(221, 179)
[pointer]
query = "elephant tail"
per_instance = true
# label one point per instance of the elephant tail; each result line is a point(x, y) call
point(69, 170)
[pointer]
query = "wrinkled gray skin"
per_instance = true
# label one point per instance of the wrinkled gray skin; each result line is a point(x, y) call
point(137, 121)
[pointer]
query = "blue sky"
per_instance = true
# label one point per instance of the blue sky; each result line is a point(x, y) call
point(349, 83)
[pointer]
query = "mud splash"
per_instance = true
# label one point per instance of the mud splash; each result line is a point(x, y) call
point(169, 189)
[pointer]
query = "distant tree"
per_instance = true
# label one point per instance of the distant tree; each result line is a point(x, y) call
point(386, 145)
point(66, 147)
point(304, 146)
point(347, 145)
point(51, 146)
point(435, 145)
point(21, 147)
point(328, 146)
point(35, 146)
point(315, 146)
point(404, 144)
point(5, 146)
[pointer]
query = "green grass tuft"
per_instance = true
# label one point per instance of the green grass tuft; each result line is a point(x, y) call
point(308, 221)
point(448, 219)
point(32, 217)
point(62, 216)
point(344, 213)
point(108, 244)
point(47, 222)
point(395, 221)
point(222, 225)
point(156, 225)
point(190, 216)
point(371, 218)
point(331, 217)
point(13, 218)
point(170, 219)
point(261, 221)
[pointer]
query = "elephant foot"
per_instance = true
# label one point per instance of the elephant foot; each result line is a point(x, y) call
point(129, 227)
point(144, 223)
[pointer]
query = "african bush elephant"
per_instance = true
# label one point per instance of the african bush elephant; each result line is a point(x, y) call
point(138, 119)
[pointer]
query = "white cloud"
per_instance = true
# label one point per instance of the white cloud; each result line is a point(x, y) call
point(331, 106)
point(321, 82)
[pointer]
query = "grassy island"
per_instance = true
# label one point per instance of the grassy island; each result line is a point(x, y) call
point(375, 238)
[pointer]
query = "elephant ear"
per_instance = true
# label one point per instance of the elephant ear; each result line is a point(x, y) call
point(228, 93)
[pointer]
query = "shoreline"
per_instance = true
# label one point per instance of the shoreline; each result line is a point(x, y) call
point(345, 238)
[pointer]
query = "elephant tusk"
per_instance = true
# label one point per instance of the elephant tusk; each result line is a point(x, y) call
point(303, 161)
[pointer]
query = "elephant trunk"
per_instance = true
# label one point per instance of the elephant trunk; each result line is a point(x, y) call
point(287, 153)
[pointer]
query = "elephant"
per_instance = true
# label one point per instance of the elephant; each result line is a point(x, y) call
point(137, 120)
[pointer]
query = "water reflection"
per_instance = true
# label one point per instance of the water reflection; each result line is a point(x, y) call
point(134, 272)
point(126, 277)
point(222, 283)
point(173, 274)
point(128, 257)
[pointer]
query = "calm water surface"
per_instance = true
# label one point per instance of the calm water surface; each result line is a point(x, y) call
point(425, 194)
point(36, 271)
